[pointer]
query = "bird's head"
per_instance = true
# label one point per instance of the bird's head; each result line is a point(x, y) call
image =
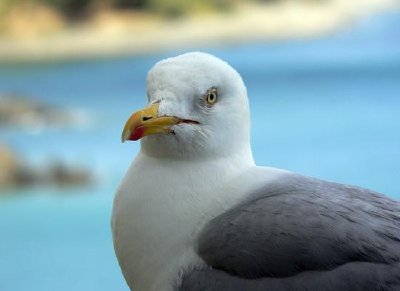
point(197, 107)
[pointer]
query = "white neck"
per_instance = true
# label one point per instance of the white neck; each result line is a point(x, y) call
point(159, 209)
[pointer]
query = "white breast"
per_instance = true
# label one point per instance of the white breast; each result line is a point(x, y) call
point(160, 208)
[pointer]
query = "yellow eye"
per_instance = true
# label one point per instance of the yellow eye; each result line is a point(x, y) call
point(211, 96)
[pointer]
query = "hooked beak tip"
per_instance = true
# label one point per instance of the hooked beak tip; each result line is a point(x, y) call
point(125, 135)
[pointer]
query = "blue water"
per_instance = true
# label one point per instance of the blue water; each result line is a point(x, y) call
point(327, 107)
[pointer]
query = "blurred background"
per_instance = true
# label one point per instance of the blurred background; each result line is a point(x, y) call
point(323, 78)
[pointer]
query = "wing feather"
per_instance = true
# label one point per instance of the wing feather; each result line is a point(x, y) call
point(300, 228)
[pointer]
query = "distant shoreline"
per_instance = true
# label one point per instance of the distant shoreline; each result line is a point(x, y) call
point(27, 115)
point(113, 34)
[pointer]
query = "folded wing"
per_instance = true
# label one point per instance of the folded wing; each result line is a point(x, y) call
point(302, 233)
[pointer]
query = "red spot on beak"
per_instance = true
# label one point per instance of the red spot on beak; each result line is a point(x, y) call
point(137, 134)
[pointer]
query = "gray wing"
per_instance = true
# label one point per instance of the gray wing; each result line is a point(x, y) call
point(356, 276)
point(302, 234)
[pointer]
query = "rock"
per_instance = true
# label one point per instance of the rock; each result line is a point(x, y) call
point(16, 173)
point(32, 116)
point(63, 175)
point(9, 165)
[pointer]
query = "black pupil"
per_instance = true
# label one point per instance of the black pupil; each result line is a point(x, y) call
point(212, 96)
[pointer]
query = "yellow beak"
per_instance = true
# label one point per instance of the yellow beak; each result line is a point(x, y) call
point(146, 122)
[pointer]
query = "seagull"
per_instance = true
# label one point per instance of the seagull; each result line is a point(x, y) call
point(195, 213)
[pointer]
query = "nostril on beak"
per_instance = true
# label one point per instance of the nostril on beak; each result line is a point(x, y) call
point(146, 118)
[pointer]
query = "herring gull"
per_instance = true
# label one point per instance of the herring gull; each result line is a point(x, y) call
point(195, 213)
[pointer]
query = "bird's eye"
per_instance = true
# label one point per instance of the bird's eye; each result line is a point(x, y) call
point(211, 96)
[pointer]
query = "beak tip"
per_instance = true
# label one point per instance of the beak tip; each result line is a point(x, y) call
point(124, 137)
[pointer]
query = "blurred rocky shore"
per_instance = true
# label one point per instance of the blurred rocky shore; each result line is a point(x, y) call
point(17, 173)
point(36, 31)
point(24, 113)
point(18, 113)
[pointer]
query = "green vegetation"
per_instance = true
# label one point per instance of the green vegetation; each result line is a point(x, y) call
point(80, 9)
point(70, 8)
point(175, 8)
point(75, 9)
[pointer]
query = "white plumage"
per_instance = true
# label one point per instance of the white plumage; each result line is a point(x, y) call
point(178, 182)
point(194, 212)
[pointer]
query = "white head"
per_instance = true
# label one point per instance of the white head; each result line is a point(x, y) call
point(198, 107)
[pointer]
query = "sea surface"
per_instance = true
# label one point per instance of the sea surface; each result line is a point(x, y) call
point(326, 107)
